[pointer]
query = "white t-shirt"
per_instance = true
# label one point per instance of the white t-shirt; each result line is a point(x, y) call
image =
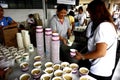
point(105, 32)
point(56, 25)
point(81, 18)
point(31, 20)
point(88, 32)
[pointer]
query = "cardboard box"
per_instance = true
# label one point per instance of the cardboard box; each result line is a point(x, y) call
point(9, 36)
point(39, 22)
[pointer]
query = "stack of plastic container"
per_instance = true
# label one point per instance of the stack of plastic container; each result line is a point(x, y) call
point(55, 45)
point(40, 41)
point(48, 37)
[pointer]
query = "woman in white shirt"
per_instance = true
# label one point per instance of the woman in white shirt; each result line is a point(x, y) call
point(102, 42)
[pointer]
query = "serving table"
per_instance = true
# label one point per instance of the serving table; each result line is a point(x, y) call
point(17, 72)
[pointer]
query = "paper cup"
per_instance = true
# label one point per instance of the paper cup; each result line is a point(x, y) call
point(58, 73)
point(26, 56)
point(18, 59)
point(45, 77)
point(72, 38)
point(36, 73)
point(37, 58)
point(21, 51)
point(74, 67)
point(69, 43)
point(73, 52)
point(49, 70)
point(56, 66)
point(25, 76)
point(67, 70)
point(8, 54)
point(14, 50)
point(37, 64)
point(24, 66)
point(84, 78)
point(83, 71)
point(67, 77)
point(15, 54)
point(64, 64)
point(48, 64)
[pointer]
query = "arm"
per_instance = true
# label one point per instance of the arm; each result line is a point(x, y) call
point(69, 32)
point(100, 51)
point(11, 21)
point(73, 24)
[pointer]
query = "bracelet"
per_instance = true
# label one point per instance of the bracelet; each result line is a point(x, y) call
point(83, 58)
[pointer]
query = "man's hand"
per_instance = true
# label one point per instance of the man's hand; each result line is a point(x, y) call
point(5, 27)
point(64, 41)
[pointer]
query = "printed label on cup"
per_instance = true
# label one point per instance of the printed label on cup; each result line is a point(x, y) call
point(73, 52)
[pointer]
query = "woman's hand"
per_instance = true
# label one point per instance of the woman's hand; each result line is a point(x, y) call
point(78, 56)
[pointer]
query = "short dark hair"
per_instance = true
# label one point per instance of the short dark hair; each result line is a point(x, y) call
point(30, 15)
point(61, 7)
point(80, 8)
point(99, 13)
point(71, 13)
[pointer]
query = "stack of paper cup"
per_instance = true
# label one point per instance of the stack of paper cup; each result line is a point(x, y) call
point(23, 35)
point(20, 41)
point(48, 36)
point(40, 41)
point(26, 38)
point(55, 45)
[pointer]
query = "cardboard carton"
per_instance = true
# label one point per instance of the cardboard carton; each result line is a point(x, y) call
point(9, 36)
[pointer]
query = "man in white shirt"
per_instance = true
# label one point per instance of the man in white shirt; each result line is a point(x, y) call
point(81, 16)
